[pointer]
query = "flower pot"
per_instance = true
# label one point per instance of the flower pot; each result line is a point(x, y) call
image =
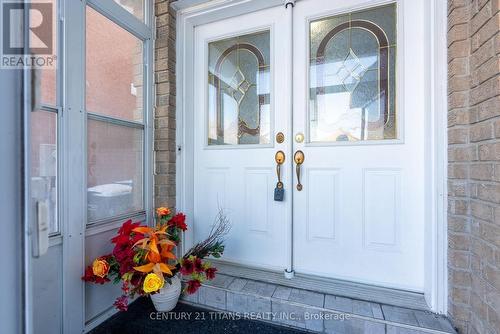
point(166, 299)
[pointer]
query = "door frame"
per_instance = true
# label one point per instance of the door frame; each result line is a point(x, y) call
point(191, 13)
point(16, 305)
point(73, 186)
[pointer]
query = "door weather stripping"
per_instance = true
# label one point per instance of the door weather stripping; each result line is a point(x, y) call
point(289, 272)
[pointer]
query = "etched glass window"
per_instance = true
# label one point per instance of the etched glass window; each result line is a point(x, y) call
point(353, 76)
point(239, 108)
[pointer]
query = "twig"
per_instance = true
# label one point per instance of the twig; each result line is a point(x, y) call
point(213, 244)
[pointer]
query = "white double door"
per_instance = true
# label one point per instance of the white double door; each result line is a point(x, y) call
point(356, 112)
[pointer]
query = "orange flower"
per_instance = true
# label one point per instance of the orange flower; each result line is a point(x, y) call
point(155, 241)
point(100, 267)
point(153, 254)
point(161, 212)
point(166, 252)
point(157, 268)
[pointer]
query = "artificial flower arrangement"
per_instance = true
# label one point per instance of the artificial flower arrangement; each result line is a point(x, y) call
point(143, 257)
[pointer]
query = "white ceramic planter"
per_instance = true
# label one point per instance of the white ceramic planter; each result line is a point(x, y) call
point(167, 298)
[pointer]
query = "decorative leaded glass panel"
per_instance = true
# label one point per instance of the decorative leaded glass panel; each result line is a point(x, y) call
point(239, 107)
point(352, 76)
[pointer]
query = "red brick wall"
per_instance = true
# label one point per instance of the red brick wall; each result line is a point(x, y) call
point(474, 165)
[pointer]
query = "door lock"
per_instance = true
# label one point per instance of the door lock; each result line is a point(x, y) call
point(299, 137)
point(280, 137)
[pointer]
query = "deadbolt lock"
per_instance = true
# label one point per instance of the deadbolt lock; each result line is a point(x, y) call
point(280, 137)
point(299, 137)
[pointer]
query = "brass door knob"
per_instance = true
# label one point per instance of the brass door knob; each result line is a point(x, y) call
point(279, 157)
point(299, 160)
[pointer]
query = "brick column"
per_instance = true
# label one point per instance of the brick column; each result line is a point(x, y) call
point(474, 165)
point(164, 137)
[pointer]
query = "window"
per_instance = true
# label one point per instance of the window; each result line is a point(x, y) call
point(134, 7)
point(239, 110)
point(115, 126)
point(114, 72)
point(114, 177)
point(353, 76)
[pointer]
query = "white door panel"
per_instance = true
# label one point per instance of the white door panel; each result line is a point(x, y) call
point(235, 170)
point(364, 194)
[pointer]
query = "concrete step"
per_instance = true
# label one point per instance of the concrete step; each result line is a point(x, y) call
point(313, 311)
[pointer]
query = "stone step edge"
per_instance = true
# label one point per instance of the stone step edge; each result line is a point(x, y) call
point(317, 308)
point(398, 298)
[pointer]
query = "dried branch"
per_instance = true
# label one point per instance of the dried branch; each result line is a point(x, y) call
point(213, 245)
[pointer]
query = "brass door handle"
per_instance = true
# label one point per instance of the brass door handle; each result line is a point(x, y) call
point(280, 159)
point(299, 160)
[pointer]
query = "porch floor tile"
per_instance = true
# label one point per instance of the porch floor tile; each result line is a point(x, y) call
point(316, 311)
point(138, 320)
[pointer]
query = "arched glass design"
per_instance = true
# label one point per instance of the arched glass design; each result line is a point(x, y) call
point(353, 76)
point(239, 108)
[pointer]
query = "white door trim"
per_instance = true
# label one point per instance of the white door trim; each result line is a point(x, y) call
point(191, 13)
point(436, 275)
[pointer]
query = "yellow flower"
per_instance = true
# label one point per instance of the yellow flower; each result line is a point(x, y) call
point(100, 267)
point(152, 283)
point(162, 211)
